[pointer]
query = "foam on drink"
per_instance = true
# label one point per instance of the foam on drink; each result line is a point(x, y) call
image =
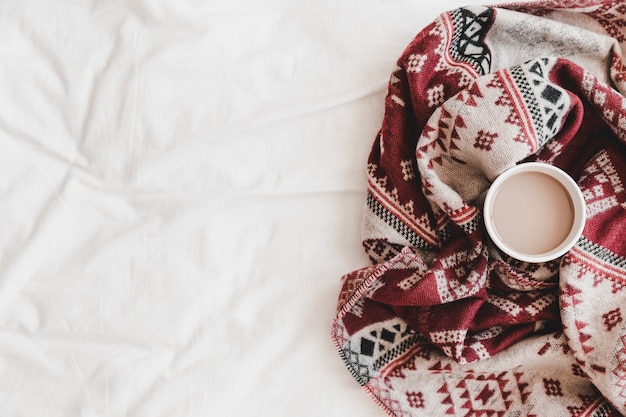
point(532, 213)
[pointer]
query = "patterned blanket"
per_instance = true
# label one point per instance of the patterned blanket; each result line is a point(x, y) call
point(442, 323)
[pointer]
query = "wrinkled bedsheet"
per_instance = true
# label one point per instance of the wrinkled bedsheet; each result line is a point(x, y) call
point(181, 187)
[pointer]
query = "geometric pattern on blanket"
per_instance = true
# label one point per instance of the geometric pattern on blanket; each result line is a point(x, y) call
point(442, 322)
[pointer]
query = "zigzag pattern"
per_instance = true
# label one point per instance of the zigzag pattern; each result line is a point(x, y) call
point(381, 212)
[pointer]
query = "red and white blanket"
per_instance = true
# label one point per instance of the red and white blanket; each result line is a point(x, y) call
point(442, 323)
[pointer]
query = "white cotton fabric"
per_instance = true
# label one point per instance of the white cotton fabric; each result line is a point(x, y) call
point(181, 187)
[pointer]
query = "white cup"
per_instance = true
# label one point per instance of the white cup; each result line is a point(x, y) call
point(534, 212)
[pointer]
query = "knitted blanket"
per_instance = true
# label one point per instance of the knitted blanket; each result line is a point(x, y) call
point(442, 322)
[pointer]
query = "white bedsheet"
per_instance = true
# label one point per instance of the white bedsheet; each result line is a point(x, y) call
point(181, 190)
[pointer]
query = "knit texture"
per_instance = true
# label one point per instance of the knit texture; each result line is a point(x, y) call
point(442, 322)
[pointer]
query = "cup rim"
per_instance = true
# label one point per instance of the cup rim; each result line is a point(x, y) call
point(576, 197)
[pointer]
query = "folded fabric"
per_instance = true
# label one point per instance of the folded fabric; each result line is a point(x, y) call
point(442, 322)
